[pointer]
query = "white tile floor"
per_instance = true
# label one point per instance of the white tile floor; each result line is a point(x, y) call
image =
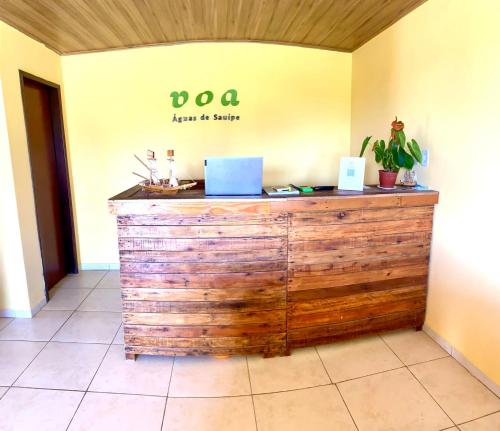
point(65, 370)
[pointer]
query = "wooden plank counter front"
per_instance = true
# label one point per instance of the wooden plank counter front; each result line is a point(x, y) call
point(228, 276)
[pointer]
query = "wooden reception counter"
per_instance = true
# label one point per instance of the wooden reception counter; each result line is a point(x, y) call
point(224, 276)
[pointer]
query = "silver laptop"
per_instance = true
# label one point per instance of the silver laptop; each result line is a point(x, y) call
point(233, 176)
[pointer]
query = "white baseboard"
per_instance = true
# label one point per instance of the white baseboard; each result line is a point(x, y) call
point(15, 313)
point(38, 307)
point(25, 314)
point(99, 266)
point(438, 339)
point(476, 372)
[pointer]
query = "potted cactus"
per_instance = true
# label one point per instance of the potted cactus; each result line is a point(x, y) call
point(398, 153)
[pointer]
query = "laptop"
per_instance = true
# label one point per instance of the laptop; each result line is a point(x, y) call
point(233, 176)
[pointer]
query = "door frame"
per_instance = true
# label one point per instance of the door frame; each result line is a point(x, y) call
point(68, 227)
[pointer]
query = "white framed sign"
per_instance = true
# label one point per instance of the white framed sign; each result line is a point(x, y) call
point(351, 173)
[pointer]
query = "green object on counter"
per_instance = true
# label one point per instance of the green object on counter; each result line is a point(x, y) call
point(305, 189)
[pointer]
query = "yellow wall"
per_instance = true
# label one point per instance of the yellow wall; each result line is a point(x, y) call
point(294, 109)
point(21, 276)
point(438, 70)
point(11, 253)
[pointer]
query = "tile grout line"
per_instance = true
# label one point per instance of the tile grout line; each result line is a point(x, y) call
point(231, 396)
point(324, 366)
point(338, 389)
point(456, 424)
point(168, 392)
point(76, 410)
point(419, 382)
point(48, 389)
point(90, 289)
point(293, 390)
point(429, 360)
point(171, 375)
point(102, 278)
point(466, 369)
point(42, 349)
point(46, 344)
point(58, 341)
point(71, 315)
point(102, 360)
point(77, 310)
point(164, 413)
point(138, 394)
point(12, 320)
point(99, 289)
point(369, 375)
point(480, 417)
point(251, 394)
point(92, 379)
point(259, 393)
point(206, 397)
point(86, 391)
point(288, 390)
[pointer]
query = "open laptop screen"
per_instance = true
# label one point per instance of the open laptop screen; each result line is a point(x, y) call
point(233, 176)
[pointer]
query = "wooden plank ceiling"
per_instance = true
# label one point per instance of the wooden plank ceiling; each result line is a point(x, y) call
point(70, 26)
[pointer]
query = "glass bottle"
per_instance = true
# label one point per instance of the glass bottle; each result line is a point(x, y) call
point(172, 169)
point(154, 178)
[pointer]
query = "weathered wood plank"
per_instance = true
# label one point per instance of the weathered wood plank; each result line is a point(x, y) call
point(421, 199)
point(202, 318)
point(359, 216)
point(191, 207)
point(310, 233)
point(216, 342)
point(349, 314)
point(298, 259)
point(241, 206)
point(352, 266)
point(230, 231)
point(233, 330)
point(266, 350)
point(267, 293)
point(312, 336)
point(322, 281)
point(205, 268)
point(185, 306)
point(202, 219)
point(355, 289)
point(335, 304)
point(326, 244)
point(205, 281)
point(203, 256)
point(332, 203)
point(202, 244)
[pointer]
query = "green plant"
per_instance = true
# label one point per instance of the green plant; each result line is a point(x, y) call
point(399, 153)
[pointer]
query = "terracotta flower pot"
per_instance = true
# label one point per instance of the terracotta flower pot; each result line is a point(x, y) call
point(387, 179)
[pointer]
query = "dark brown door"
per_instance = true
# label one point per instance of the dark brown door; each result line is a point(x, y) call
point(49, 175)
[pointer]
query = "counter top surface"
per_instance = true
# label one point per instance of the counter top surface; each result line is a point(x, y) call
point(136, 193)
